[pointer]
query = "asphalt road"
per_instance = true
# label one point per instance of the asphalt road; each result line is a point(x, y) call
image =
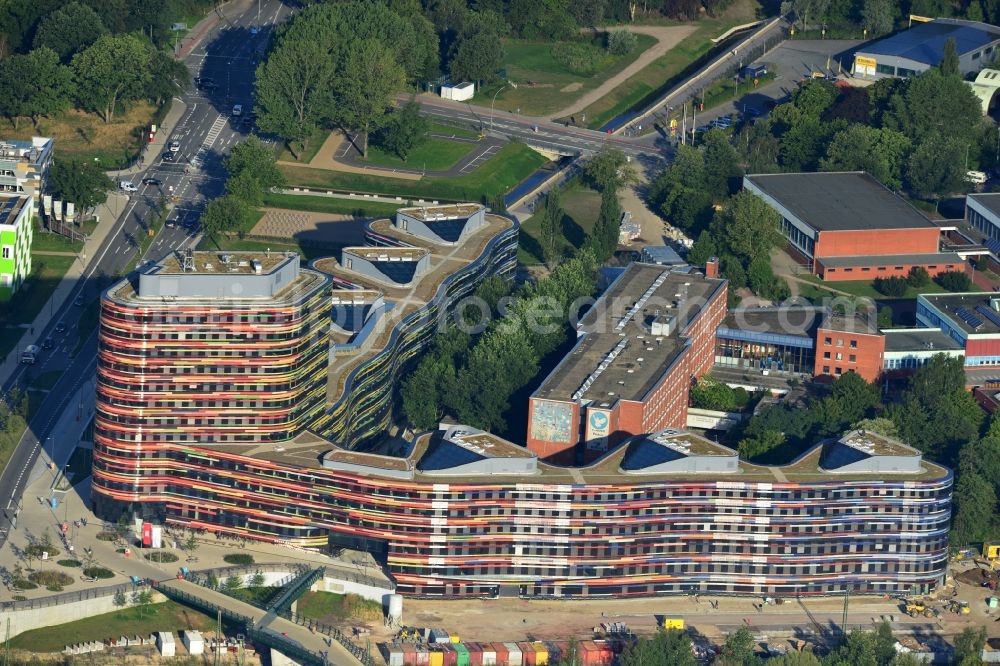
point(206, 132)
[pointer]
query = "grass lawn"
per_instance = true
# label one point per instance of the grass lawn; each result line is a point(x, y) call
point(44, 241)
point(432, 155)
point(313, 143)
point(46, 274)
point(451, 130)
point(360, 208)
point(330, 606)
point(496, 176)
point(554, 87)
point(84, 135)
point(658, 75)
point(308, 252)
point(169, 616)
point(864, 288)
point(580, 207)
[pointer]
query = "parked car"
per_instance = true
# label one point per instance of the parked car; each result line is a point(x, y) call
point(237, 109)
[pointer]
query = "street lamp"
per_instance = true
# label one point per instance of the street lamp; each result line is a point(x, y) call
point(508, 83)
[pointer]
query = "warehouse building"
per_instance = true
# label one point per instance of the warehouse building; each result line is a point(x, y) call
point(921, 47)
point(638, 349)
point(848, 226)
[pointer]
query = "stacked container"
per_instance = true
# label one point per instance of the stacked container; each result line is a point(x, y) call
point(435, 657)
point(514, 655)
point(462, 653)
point(502, 655)
point(450, 654)
point(393, 654)
point(541, 653)
point(489, 654)
point(475, 654)
point(596, 653)
point(423, 655)
point(527, 654)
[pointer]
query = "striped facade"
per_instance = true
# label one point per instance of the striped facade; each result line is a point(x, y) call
point(549, 535)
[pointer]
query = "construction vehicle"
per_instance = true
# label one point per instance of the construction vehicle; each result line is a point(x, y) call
point(917, 607)
point(991, 550)
point(958, 607)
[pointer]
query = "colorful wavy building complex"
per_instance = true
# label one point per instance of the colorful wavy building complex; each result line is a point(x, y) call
point(224, 380)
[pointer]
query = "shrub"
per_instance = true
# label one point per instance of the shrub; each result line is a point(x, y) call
point(238, 558)
point(50, 578)
point(69, 563)
point(106, 536)
point(894, 287)
point(161, 557)
point(918, 277)
point(19, 597)
point(621, 42)
point(35, 550)
point(24, 585)
point(579, 58)
point(954, 281)
point(98, 572)
point(709, 393)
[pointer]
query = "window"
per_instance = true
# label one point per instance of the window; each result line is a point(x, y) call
point(885, 69)
point(977, 55)
point(826, 354)
point(840, 356)
point(827, 341)
point(826, 369)
point(902, 71)
point(840, 342)
point(852, 358)
point(839, 370)
point(6, 279)
point(854, 344)
point(865, 269)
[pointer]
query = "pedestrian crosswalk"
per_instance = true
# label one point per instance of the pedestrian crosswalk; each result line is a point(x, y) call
point(210, 138)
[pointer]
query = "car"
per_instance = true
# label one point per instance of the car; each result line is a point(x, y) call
point(174, 146)
point(204, 81)
point(151, 181)
point(168, 157)
point(534, 128)
point(237, 109)
point(61, 327)
point(127, 186)
point(172, 223)
point(48, 343)
point(254, 30)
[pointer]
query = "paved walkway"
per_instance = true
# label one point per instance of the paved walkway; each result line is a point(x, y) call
point(667, 37)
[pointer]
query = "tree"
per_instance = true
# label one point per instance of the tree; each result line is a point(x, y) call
point(477, 57)
point(142, 599)
point(257, 579)
point(621, 42)
point(293, 89)
point(405, 130)
point(722, 164)
point(246, 188)
point(975, 511)
point(119, 599)
point(877, 16)
point(934, 104)
point(893, 287)
point(955, 281)
point(191, 545)
point(224, 215)
point(749, 226)
point(879, 151)
point(253, 156)
point(949, 60)
point(879, 426)
point(33, 85)
point(970, 643)
point(587, 13)
point(814, 97)
point(609, 169)
point(232, 583)
point(604, 238)
point(666, 648)
point(794, 659)
point(551, 223)
point(212, 581)
point(83, 183)
point(758, 445)
point(936, 167)
point(738, 648)
point(918, 277)
point(111, 70)
point(69, 29)
point(857, 650)
point(167, 77)
point(365, 88)
point(703, 249)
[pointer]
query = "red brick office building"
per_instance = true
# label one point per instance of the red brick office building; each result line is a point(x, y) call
point(630, 372)
point(848, 226)
point(849, 344)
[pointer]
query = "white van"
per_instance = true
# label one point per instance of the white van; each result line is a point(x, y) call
point(975, 177)
point(128, 186)
point(30, 354)
point(237, 109)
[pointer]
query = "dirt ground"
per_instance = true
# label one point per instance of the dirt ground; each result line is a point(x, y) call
point(667, 38)
point(78, 133)
point(317, 227)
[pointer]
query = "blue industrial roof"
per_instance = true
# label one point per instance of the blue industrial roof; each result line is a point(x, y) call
point(925, 42)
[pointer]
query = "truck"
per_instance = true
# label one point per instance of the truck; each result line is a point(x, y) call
point(30, 354)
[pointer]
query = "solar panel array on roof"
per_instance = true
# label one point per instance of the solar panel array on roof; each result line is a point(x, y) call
point(989, 313)
point(925, 42)
point(400, 272)
point(447, 230)
point(647, 453)
point(965, 315)
point(445, 455)
point(836, 455)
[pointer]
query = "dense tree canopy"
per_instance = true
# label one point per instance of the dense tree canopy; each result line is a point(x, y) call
point(113, 69)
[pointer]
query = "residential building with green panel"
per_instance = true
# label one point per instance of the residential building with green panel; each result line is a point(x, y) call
point(16, 227)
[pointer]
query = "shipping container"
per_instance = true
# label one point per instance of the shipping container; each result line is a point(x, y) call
point(463, 654)
point(409, 654)
point(455, 638)
point(475, 654)
point(450, 655)
point(393, 654)
point(435, 658)
point(541, 653)
point(557, 651)
point(596, 653)
point(503, 656)
point(514, 655)
point(528, 654)
point(423, 655)
point(489, 654)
